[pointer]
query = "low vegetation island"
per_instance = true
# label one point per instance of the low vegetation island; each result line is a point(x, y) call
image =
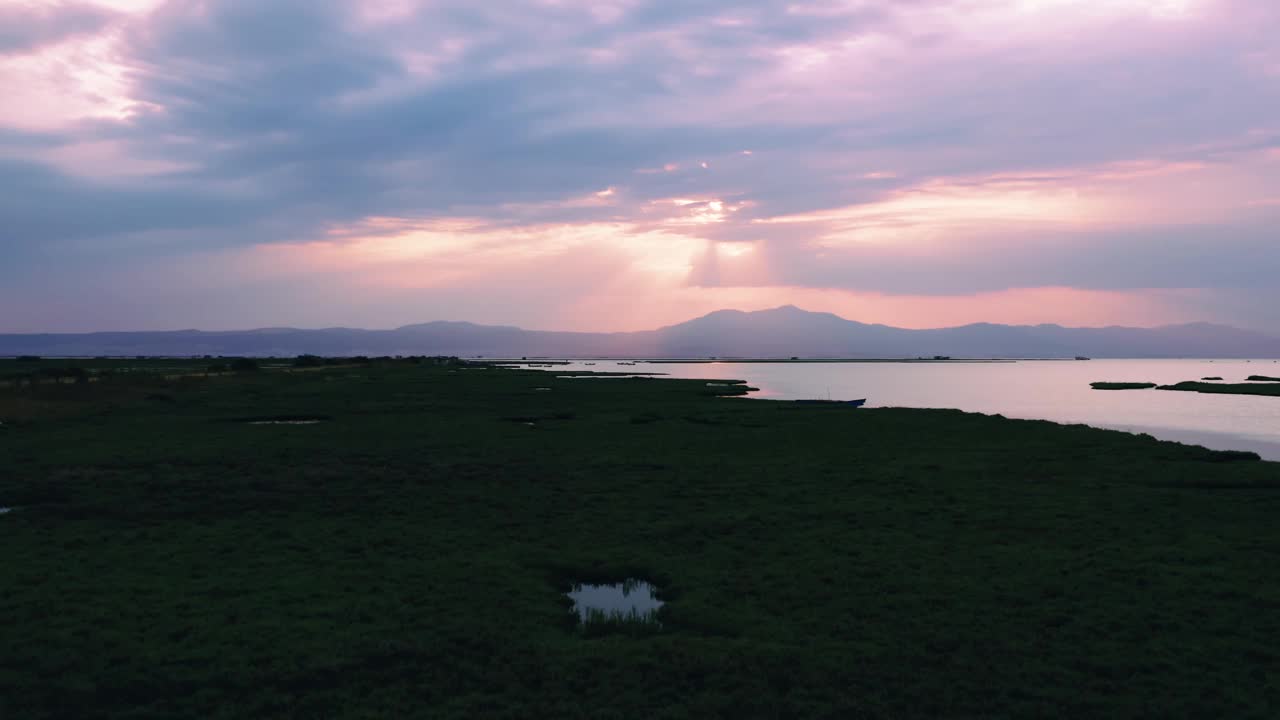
point(1215, 388)
point(1268, 389)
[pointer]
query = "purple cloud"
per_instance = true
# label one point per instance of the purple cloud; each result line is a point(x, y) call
point(28, 26)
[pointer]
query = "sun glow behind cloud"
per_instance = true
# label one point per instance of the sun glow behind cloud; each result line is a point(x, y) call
point(408, 253)
point(79, 77)
point(59, 85)
point(936, 207)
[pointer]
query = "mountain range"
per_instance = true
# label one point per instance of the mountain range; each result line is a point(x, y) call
point(784, 332)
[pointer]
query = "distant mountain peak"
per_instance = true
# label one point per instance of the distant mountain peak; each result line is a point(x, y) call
point(789, 310)
point(1202, 325)
point(439, 324)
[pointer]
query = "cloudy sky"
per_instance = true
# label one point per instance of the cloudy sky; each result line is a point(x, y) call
point(623, 164)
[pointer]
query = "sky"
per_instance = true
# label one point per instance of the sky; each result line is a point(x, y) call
point(627, 164)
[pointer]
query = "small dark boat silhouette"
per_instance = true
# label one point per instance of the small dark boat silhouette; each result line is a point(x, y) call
point(850, 403)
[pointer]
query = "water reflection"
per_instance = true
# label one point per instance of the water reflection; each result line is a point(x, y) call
point(628, 600)
point(1035, 390)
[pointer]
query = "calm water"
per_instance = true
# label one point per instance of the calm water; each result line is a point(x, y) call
point(629, 599)
point(1046, 390)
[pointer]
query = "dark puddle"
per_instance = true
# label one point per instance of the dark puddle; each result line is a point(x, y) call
point(629, 600)
point(535, 419)
point(283, 420)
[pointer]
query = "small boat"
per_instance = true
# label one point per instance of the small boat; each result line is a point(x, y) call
point(1081, 357)
point(850, 403)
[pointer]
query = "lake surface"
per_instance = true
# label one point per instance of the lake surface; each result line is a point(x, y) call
point(1033, 390)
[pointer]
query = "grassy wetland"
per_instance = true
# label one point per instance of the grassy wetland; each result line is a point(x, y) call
point(395, 539)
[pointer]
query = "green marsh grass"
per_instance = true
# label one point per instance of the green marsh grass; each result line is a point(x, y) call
point(410, 556)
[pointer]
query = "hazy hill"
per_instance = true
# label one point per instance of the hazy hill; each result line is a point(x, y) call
point(781, 332)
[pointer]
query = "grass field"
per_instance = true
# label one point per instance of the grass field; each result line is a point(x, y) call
point(407, 554)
